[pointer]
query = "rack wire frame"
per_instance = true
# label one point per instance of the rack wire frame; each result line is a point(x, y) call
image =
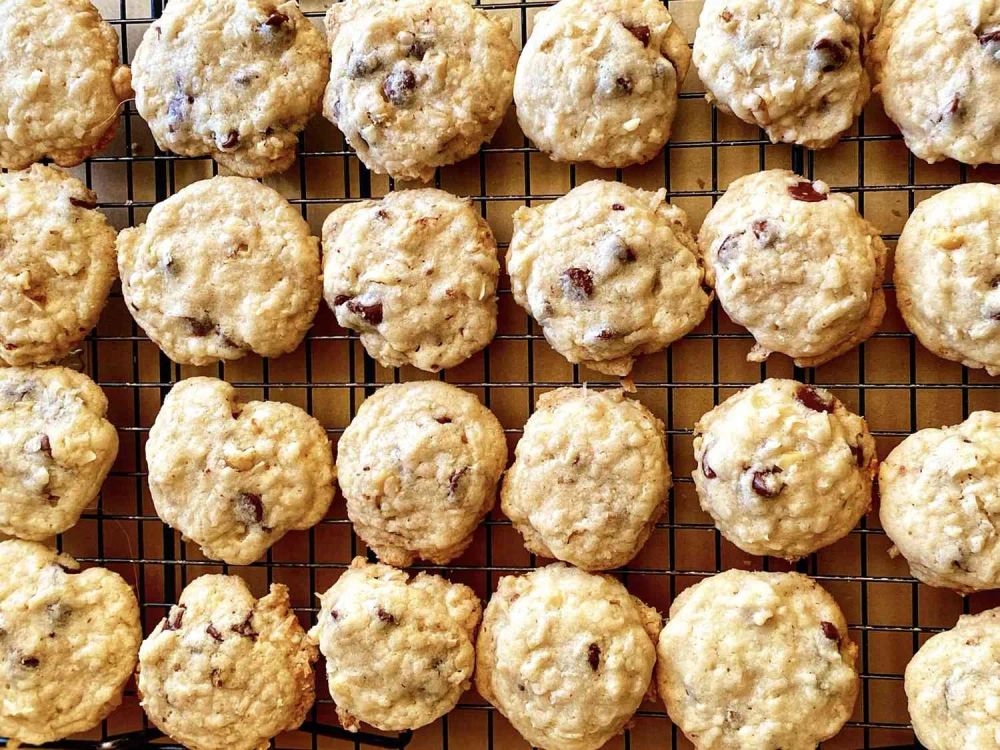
point(123, 361)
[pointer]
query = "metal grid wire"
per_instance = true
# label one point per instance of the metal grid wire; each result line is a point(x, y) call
point(898, 386)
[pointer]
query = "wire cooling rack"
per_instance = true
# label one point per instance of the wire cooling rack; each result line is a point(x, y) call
point(896, 384)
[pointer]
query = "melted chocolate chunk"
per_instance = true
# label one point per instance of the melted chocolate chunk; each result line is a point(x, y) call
point(340, 299)
point(175, 618)
point(767, 482)
point(387, 617)
point(177, 110)
point(832, 55)
point(399, 86)
point(45, 445)
point(805, 192)
point(577, 284)
point(859, 454)
point(990, 37)
point(707, 470)
point(639, 32)
point(276, 19)
point(200, 327)
point(231, 141)
point(213, 631)
point(82, 202)
point(830, 630)
point(812, 399)
point(455, 478)
point(617, 207)
point(594, 656)
point(624, 84)
point(359, 66)
point(249, 508)
point(371, 314)
point(245, 628)
point(418, 49)
point(443, 420)
point(30, 662)
point(729, 248)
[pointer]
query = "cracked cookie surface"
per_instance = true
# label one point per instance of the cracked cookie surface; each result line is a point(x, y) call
point(232, 476)
point(226, 671)
point(224, 267)
point(236, 80)
point(399, 650)
point(68, 643)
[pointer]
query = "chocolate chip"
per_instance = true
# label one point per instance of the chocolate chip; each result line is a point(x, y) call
point(249, 508)
point(955, 106)
point(175, 618)
point(31, 662)
point(371, 314)
point(995, 282)
point(830, 630)
point(832, 55)
point(594, 656)
point(83, 202)
point(212, 631)
point(200, 327)
point(443, 420)
point(45, 445)
point(245, 628)
point(455, 478)
point(624, 84)
point(231, 141)
point(989, 37)
point(606, 334)
point(617, 207)
point(177, 109)
point(398, 86)
point(418, 49)
point(387, 617)
point(577, 283)
point(639, 32)
point(216, 678)
point(340, 299)
point(767, 483)
point(729, 248)
point(359, 66)
point(334, 614)
point(858, 452)
point(805, 192)
point(812, 399)
point(276, 19)
point(707, 470)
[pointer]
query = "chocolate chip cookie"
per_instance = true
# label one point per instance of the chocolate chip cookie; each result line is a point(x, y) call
point(226, 671)
point(566, 656)
point(795, 69)
point(598, 80)
point(936, 64)
point(784, 468)
point(796, 265)
point(235, 476)
point(418, 466)
point(57, 264)
point(589, 479)
point(951, 684)
point(399, 651)
point(416, 274)
point(56, 449)
point(236, 80)
point(68, 643)
point(940, 503)
point(417, 84)
point(757, 660)
point(610, 272)
point(220, 269)
point(61, 82)
point(947, 275)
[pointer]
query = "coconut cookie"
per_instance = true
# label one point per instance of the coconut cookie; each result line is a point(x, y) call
point(610, 273)
point(399, 651)
point(947, 275)
point(936, 64)
point(222, 268)
point(56, 448)
point(226, 671)
point(795, 69)
point(598, 80)
point(590, 478)
point(68, 643)
point(57, 264)
point(757, 660)
point(418, 466)
point(233, 476)
point(566, 656)
point(417, 84)
point(61, 82)
point(416, 274)
point(953, 686)
point(940, 503)
point(796, 265)
point(236, 80)
point(783, 468)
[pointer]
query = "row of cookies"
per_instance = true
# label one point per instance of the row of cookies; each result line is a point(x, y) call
point(419, 84)
point(227, 266)
point(746, 659)
point(784, 469)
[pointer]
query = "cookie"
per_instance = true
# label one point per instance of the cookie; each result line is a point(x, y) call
point(226, 671)
point(236, 80)
point(947, 275)
point(418, 466)
point(61, 82)
point(57, 266)
point(951, 686)
point(566, 656)
point(796, 265)
point(610, 272)
point(938, 492)
point(795, 69)
point(757, 660)
point(416, 274)
point(399, 651)
point(598, 80)
point(222, 268)
point(935, 64)
point(68, 643)
point(417, 84)
point(55, 451)
point(590, 478)
point(235, 476)
point(783, 468)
